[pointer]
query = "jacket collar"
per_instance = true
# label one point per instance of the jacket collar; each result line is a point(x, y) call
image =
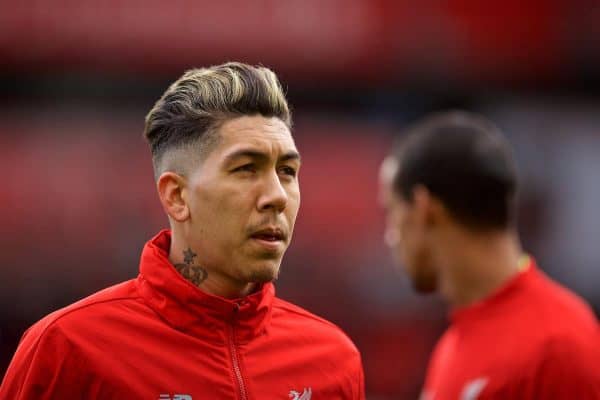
point(189, 309)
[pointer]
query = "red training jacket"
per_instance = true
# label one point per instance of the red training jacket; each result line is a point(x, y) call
point(531, 340)
point(160, 337)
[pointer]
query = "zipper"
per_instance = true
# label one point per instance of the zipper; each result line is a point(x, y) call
point(234, 358)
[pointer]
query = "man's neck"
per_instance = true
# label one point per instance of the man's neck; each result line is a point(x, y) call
point(210, 281)
point(480, 266)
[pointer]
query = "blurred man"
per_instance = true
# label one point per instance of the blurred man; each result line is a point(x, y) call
point(201, 321)
point(449, 189)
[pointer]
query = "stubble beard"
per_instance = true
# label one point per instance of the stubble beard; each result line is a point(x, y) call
point(265, 273)
point(423, 279)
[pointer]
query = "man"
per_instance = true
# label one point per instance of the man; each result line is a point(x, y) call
point(449, 189)
point(201, 320)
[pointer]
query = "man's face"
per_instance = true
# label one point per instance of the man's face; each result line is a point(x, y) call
point(405, 232)
point(244, 198)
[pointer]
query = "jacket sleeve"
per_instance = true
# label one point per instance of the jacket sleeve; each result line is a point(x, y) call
point(39, 367)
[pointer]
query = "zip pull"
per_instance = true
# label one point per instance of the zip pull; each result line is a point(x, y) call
point(237, 306)
point(235, 312)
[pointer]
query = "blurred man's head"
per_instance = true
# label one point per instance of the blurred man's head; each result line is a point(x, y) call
point(226, 168)
point(451, 171)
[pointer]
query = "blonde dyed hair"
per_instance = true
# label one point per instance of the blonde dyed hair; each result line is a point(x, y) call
point(189, 113)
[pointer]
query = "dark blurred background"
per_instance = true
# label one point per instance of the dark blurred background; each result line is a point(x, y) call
point(78, 198)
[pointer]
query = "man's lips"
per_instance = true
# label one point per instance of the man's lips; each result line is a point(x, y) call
point(270, 235)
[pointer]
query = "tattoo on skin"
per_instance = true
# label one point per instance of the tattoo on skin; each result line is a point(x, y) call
point(190, 271)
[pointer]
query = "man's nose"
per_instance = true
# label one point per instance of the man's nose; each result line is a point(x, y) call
point(274, 195)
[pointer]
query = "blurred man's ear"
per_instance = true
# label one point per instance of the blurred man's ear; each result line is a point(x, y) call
point(428, 209)
point(387, 171)
point(172, 192)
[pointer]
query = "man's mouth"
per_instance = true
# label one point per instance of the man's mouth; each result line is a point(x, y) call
point(269, 235)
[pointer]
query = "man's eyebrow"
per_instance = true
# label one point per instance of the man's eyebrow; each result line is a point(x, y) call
point(259, 155)
point(290, 156)
point(245, 153)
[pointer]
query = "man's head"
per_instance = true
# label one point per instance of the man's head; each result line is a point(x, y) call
point(451, 171)
point(226, 168)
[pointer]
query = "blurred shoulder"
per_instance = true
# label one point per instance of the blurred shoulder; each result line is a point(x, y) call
point(570, 367)
point(563, 309)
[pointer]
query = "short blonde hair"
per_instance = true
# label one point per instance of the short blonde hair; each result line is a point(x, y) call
point(191, 110)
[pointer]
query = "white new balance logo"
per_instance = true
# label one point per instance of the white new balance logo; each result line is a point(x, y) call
point(166, 396)
point(305, 395)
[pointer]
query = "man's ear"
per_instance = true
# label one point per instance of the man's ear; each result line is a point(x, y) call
point(172, 194)
point(428, 208)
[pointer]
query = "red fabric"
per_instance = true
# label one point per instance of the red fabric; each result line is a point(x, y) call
point(533, 339)
point(160, 335)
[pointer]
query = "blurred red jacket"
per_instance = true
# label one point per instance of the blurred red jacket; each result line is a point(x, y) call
point(533, 339)
point(160, 337)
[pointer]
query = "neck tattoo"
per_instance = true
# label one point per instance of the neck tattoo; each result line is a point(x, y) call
point(190, 270)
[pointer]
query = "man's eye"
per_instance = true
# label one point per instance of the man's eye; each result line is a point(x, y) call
point(288, 171)
point(245, 168)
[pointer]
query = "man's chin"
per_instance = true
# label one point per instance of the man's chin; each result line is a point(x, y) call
point(424, 283)
point(424, 287)
point(264, 274)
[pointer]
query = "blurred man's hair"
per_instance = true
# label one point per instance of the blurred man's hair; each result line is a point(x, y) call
point(463, 160)
point(191, 110)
